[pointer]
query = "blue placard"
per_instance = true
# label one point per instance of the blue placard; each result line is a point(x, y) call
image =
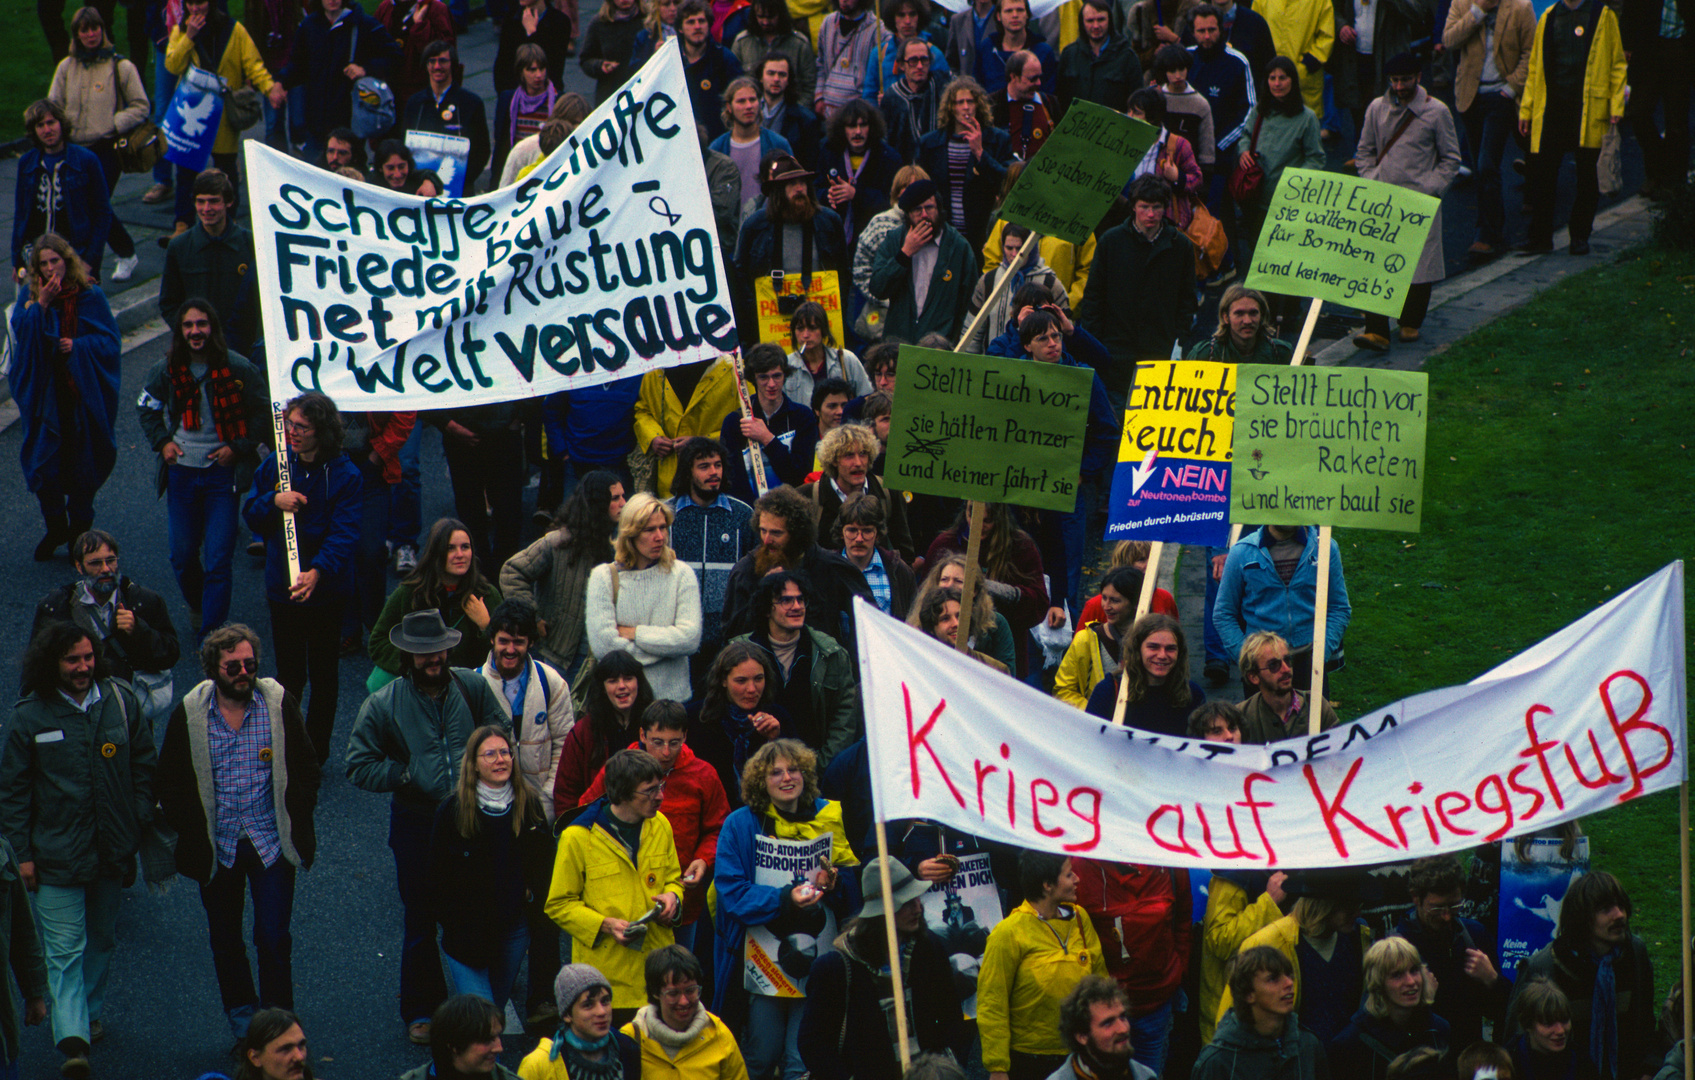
point(445, 155)
point(191, 121)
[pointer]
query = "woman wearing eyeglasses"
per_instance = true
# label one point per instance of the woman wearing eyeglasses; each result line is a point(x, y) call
point(490, 855)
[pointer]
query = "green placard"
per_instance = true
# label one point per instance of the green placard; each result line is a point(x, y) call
point(1070, 184)
point(988, 428)
point(1342, 239)
point(1327, 446)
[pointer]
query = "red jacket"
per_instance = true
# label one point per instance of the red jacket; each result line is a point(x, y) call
point(1142, 916)
point(389, 431)
point(579, 763)
point(696, 807)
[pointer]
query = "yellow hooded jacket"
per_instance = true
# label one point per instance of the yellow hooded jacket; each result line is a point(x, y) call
point(595, 879)
point(710, 1053)
point(1230, 920)
point(1028, 967)
point(658, 412)
point(1603, 83)
point(1282, 935)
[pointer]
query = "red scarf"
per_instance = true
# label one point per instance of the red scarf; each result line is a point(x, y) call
point(224, 390)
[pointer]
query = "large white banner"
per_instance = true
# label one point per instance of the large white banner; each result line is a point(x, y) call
point(1592, 717)
point(603, 263)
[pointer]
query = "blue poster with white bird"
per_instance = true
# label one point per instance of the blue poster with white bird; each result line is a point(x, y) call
point(191, 121)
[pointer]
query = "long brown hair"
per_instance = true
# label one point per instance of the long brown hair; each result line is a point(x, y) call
point(76, 271)
point(1176, 687)
point(982, 608)
point(429, 581)
point(1000, 534)
point(526, 807)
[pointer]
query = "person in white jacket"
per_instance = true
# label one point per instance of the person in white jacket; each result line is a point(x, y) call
point(538, 699)
point(645, 602)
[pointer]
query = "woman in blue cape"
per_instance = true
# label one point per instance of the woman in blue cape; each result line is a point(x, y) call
point(64, 377)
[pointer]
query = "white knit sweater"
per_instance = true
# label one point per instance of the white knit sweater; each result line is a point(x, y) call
point(664, 607)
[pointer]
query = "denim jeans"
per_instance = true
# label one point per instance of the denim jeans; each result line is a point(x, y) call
point(406, 499)
point(772, 1037)
point(422, 987)
point(1209, 632)
point(78, 925)
point(1489, 126)
point(204, 515)
point(1150, 1037)
point(493, 983)
point(224, 898)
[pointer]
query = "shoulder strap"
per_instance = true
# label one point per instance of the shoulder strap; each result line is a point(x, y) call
point(1395, 136)
point(1253, 140)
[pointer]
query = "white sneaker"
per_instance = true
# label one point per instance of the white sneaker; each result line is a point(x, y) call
point(125, 269)
point(405, 559)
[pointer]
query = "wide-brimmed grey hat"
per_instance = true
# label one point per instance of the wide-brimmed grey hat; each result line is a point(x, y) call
point(423, 632)
point(901, 882)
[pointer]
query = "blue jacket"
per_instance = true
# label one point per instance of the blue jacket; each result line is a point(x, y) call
point(327, 527)
point(870, 193)
point(1227, 82)
point(85, 206)
point(874, 86)
point(711, 540)
point(81, 458)
point(319, 54)
point(768, 141)
point(742, 903)
point(593, 425)
point(789, 455)
point(1252, 597)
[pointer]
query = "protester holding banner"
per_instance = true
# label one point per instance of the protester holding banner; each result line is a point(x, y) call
point(447, 580)
point(1156, 662)
point(644, 602)
point(1034, 272)
point(1270, 583)
point(1069, 262)
point(791, 235)
point(816, 684)
point(1408, 140)
point(447, 108)
point(1033, 959)
point(844, 1030)
point(209, 39)
point(323, 494)
point(785, 430)
point(785, 878)
point(64, 377)
point(1604, 970)
point(1396, 1018)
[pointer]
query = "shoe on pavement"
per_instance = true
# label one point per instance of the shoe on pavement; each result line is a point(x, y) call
point(419, 1033)
point(405, 559)
point(1482, 247)
point(165, 241)
point(1536, 247)
point(125, 269)
point(1409, 333)
point(1580, 247)
point(157, 194)
point(1374, 342)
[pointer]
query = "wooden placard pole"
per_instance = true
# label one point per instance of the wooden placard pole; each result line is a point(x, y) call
point(968, 592)
point(1307, 328)
point(291, 539)
point(899, 988)
point(1683, 942)
point(1144, 604)
point(1031, 243)
point(755, 454)
point(1320, 605)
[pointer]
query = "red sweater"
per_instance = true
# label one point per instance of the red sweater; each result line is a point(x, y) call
point(1142, 915)
point(696, 807)
point(1092, 611)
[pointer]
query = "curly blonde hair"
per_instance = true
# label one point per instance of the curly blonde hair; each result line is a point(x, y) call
point(758, 767)
point(845, 438)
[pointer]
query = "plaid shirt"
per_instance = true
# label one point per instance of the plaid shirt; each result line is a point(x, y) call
point(878, 578)
point(241, 782)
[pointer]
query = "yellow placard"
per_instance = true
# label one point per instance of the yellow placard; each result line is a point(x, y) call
point(774, 325)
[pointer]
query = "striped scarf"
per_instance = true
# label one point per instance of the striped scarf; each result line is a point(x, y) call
point(224, 390)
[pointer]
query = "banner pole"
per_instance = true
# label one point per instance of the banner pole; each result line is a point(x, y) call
point(1688, 958)
point(1031, 243)
point(1150, 577)
point(1306, 331)
point(291, 539)
point(755, 454)
point(901, 1038)
point(968, 592)
point(1320, 606)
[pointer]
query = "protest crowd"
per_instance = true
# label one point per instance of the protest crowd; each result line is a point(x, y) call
point(623, 740)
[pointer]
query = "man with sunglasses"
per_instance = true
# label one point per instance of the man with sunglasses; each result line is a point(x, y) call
point(238, 781)
point(1277, 710)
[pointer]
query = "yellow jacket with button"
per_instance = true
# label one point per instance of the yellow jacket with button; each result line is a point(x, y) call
point(1028, 967)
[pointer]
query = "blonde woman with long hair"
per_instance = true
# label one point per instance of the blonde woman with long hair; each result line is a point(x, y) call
point(1396, 1018)
point(645, 602)
point(491, 858)
point(990, 633)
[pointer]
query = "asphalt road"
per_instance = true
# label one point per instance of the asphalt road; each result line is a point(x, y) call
point(163, 1017)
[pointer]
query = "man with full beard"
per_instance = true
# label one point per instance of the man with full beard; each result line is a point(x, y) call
point(788, 541)
point(235, 751)
point(790, 235)
point(1095, 1020)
